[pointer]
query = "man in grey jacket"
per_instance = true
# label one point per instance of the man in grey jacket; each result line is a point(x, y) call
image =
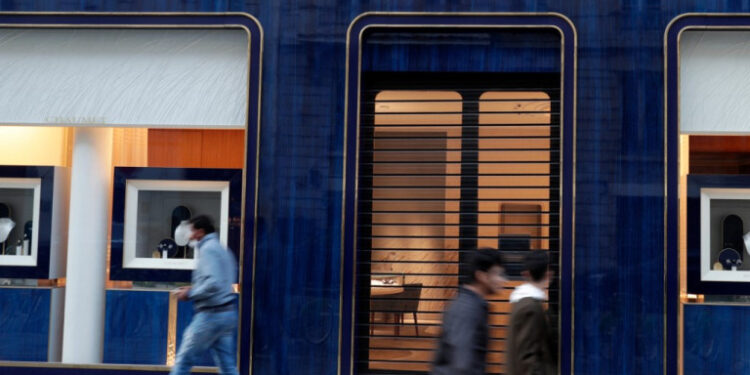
point(462, 347)
point(215, 321)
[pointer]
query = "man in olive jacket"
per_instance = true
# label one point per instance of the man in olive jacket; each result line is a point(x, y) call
point(531, 346)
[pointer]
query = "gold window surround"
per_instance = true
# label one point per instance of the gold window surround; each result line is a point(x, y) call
point(677, 26)
point(568, 57)
point(417, 162)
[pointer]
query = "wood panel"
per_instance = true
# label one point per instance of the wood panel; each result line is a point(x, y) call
point(185, 148)
point(175, 148)
point(719, 154)
point(130, 147)
point(716, 339)
point(223, 149)
point(719, 143)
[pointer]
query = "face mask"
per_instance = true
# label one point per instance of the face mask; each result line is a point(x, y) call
point(193, 244)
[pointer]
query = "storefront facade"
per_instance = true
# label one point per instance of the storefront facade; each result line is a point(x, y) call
point(352, 154)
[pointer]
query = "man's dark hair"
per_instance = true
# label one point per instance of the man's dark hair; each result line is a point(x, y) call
point(481, 260)
point(536, 263)
point(203, 222)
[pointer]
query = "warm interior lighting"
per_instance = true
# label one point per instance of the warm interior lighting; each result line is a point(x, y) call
point(31, 145)
point(130, 147)
point(417, 150)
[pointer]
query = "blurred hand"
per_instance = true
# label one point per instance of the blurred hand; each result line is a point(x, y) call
point(182, 293)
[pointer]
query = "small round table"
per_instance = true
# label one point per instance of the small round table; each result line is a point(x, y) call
point(385, 290)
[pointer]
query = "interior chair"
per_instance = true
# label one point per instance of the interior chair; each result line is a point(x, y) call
point(408, 302)
point(395, 306)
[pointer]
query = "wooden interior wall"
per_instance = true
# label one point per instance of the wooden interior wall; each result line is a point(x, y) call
point(416, 155)
point(196, 148)
point(711, 154)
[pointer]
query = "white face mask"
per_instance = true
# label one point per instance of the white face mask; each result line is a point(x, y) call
point(193, 244)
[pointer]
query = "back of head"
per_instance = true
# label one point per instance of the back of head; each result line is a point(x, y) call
point(480, 260)
point(536, 263)
point(203, 222)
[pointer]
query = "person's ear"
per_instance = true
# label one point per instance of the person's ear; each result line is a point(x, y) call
point(526, 274)
point(481, 277)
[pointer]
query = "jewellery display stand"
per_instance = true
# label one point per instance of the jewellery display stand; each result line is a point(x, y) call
point(150, 203)
point(730, 257)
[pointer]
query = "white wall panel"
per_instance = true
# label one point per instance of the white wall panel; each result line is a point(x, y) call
point(124, 77)
point(714, 80)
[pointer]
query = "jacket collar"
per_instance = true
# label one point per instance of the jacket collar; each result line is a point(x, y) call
point(208, 237)
point(527, 290)
point(470, 293)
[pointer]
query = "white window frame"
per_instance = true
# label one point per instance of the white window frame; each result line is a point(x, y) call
point(36, 185)
point(132, 190)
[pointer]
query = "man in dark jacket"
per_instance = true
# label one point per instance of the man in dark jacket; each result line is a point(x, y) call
point(531, 346)
point(462, 348)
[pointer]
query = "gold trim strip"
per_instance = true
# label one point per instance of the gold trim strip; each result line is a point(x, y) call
point(680, 303)
point(160, 14)
point(255, 208)
point(172, 330)
point(162, 369)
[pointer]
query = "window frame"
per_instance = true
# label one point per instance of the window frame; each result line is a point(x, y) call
point(135, 20)
point(447, 21)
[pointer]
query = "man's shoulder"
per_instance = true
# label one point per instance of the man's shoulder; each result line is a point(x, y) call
point(527, 305)
point(212, 246)
point(465, 304)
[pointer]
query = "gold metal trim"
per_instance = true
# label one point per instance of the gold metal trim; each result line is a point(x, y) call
point(158, 14)
point(41, 284)
point(666, 203)
point(244, 187)
point(172, 330)
point(716, 303)
point(153, 368)
point(356, 176)
point(680, 303)
point(255, 206)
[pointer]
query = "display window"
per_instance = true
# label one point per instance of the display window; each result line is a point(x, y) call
point(124, 134)
point(33, 186)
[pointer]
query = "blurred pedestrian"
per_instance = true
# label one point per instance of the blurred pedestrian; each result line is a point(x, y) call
point(215, 321)
point(462, 347)
point(531, 348)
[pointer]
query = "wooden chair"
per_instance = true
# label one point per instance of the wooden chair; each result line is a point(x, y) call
point(396, 305)
point(409, 303)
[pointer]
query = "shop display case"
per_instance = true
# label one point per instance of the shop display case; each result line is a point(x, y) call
point(150, 203)
point(718, 234)
point(33, 221)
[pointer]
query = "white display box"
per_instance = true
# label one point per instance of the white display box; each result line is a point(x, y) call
point(716, 204)
point(148, 210)
point(37, 197)
point(22, 196)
